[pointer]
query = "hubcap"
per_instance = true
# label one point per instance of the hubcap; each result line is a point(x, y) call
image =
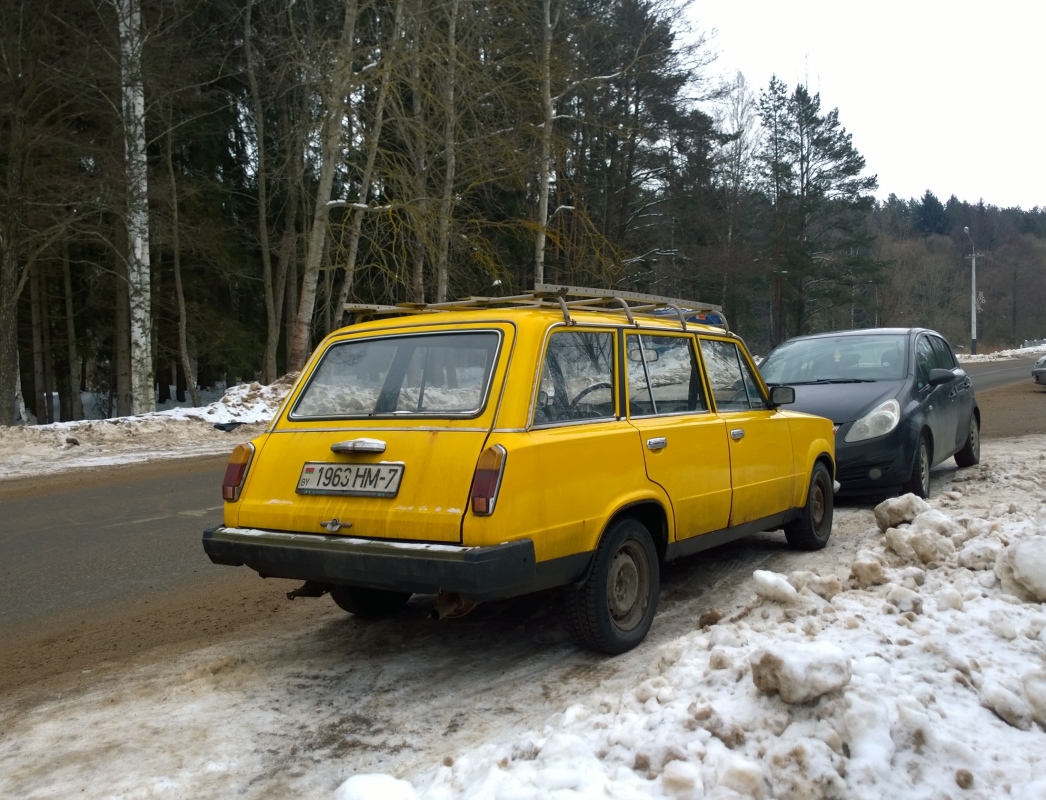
point(975, 438)
point(628, 584)
point(817, 505)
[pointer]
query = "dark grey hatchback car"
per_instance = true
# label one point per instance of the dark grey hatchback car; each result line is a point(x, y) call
point(900, 402)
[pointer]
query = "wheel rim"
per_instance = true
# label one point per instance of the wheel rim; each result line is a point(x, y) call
point(628, 586)
point(818, 507)
point(924, 467)
point(975, 438)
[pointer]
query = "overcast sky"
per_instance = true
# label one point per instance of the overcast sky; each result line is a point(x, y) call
point(942, 96)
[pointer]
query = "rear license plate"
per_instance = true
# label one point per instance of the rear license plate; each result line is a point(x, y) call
point(369, 480)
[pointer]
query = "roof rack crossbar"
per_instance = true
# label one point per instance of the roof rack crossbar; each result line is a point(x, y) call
point(566, 297)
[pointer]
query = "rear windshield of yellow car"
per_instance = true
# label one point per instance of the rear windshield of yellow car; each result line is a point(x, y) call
point(441, 374)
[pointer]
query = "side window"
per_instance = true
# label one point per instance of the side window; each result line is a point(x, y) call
point(662, 375)
point(734, 385)
point(943, 353)
point(924, 361)
point(577, 378)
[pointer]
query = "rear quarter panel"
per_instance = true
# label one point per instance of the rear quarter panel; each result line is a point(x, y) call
point(562, 485)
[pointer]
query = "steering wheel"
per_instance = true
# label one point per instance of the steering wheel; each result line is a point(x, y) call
point(588, 390)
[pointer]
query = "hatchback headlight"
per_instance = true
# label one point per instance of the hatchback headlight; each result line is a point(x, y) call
point(878, 422)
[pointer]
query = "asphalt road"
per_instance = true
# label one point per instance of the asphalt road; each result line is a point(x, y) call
point(991, 374)
point(73, 543)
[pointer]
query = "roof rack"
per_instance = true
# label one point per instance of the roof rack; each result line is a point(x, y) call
point(566, 298)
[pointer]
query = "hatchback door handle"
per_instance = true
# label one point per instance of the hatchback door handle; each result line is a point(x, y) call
point(657, 443)
point(359, 446)
point(737, 434)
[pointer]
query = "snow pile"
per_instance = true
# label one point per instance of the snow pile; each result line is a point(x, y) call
point(177, 432)
point(1003, 355)
point(923, 675)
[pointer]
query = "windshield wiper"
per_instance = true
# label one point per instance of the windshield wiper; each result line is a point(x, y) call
point(828, 380)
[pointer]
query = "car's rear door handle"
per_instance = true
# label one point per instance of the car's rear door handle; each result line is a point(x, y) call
point(359, 446)
point(737, 434)
point(657, 443)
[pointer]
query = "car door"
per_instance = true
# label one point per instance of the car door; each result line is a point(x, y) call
point(938, 403)
point(579, 459)
point(684, 443)
point(960, 391)
point(762, 467)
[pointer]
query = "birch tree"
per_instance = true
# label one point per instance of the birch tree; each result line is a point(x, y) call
point(129, 20)
point(548, 23)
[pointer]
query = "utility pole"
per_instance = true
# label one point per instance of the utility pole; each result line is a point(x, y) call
point(973, 292)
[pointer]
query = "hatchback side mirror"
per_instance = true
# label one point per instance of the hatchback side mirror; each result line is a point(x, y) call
point(941, 376)
point(781, 396)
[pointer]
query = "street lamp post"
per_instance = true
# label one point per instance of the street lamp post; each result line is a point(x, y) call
point(973, 292)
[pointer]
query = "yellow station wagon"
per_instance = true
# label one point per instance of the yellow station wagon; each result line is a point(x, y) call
point(488, 448)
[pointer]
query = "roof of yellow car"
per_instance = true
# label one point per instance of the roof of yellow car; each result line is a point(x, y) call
point(572, 304)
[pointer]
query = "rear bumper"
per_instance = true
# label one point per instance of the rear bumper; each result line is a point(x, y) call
point(481, 573)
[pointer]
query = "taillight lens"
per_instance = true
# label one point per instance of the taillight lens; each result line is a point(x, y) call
point(236, 471)
point(487, 480)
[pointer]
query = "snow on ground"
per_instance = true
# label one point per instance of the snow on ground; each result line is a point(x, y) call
point(918, 670)
point(176, 432)
point(1003, 355)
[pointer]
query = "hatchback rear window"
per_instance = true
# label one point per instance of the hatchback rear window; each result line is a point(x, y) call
point(433, 374)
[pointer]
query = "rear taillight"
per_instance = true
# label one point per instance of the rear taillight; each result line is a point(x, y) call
point(236, 471)
point(487, 480)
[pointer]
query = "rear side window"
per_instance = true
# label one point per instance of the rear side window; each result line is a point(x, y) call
point(734, 385)
point(577, 378)
point(434, 374)
point(662, 376)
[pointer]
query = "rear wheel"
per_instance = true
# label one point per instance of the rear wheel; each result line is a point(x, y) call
point(368, 603)
point(814, 526)
point(971, 451)
point(919, 482)
point(612, 610)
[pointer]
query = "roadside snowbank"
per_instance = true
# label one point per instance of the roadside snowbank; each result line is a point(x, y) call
point(175, 433)
point(1003, 355)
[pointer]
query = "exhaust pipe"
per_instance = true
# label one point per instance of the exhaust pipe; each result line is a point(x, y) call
point(450, 605)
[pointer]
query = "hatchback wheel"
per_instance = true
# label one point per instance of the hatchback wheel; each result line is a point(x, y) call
point(612, 610)
point(971, 451)
point(368, 603)
point(919, 482)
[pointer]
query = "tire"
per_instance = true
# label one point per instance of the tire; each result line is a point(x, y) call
point(971, 451)
point(368, 603)
point(814, 526)
point(919, 481)
point(612, 610)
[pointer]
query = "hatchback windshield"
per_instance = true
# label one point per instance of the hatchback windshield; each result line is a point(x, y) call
point(874, 357)
point(436, 374)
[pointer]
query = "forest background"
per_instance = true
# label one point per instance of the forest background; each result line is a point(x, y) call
point(191, 190)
